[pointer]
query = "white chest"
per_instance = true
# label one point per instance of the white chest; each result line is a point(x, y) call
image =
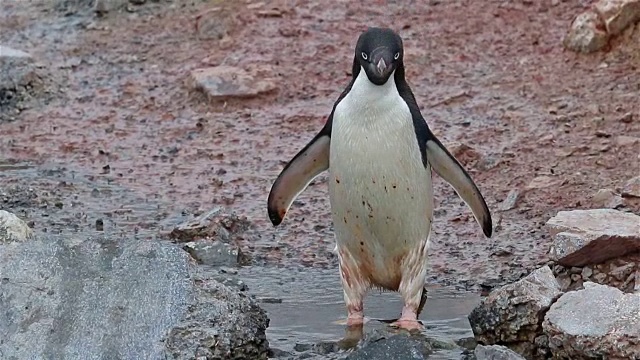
point(379, 189)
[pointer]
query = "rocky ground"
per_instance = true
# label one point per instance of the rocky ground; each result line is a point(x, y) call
point(121, 119)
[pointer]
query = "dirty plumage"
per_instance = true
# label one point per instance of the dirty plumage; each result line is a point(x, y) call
point(379, 152)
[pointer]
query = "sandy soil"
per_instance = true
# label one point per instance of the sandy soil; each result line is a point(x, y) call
point(491, 75)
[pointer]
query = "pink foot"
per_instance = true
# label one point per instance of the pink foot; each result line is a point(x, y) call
point(409, 325)
point(355, 317)
point(408, 320)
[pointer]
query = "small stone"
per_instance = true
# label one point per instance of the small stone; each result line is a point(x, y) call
point(585, 34)
point(564, 281)
point(632, 188)
point(583, 237)
point(213, 253)
point(510, 201)
point(623, 271)
point(99, 225)
point(596, 322)
point(13, 229)
point(541, 182)
point(513, 313)
point(627, 118)
point(600, 278)
point(7, 52)
point(225, 82)
point(607, 198)
point(618, 14)
point(214, 224)
point(586, 272)
point(624, 140)
point(496, 352)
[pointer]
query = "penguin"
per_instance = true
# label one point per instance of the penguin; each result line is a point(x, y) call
point(379, 152)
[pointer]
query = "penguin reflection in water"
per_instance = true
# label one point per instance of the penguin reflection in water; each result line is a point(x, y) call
point(379, 152)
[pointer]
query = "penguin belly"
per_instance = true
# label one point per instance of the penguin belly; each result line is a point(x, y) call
point(381, 198)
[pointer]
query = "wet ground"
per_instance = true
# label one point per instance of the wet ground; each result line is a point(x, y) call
point(123, 146)
point(303, 315)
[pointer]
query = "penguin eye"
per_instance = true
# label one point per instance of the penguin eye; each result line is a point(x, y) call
point(396, 56)
point(364, 55)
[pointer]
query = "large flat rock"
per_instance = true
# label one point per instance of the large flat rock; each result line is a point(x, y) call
point(120, 299)
point(585, 237)
point(597, 322)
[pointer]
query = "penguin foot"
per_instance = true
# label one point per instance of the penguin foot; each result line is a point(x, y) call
point(355, 318)
point(408, 320)
point(406, 324)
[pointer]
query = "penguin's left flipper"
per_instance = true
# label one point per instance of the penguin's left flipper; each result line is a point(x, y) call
point(296, 176)
point(452, 172)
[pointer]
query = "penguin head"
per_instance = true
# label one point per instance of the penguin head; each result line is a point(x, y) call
point(379, 52)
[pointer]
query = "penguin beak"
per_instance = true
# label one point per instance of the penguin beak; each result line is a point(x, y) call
point(382, 62)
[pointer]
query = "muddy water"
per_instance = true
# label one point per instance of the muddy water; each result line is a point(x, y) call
point(306, 305)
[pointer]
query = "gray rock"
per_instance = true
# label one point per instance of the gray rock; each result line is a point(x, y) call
point(510, 201)
point(215, 224)
point(618, 14)
point(96, 298)
point(104, 6)
point(222, 324)
point(7, 53)
point(225, 82)
point(585, 237)
point(596, 322)
point(20, 82)
point(632, 188)
point(512, 315)
point(399, 346)
point(586, 34)
point(496, 352)
point(213, 253)
point(607, 198)
point(12, 228)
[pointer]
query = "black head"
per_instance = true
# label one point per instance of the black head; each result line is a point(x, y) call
point(379, 51)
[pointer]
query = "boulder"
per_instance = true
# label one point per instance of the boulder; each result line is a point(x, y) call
point(587, 33)
point(398, 346)
point(512, 315)
point(496, 352)
point(584, 237)
point(596, 322)
point(78, 298)
point(12, 228)
point(617, 15)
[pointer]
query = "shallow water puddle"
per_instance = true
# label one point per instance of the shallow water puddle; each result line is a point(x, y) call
point(305, 304)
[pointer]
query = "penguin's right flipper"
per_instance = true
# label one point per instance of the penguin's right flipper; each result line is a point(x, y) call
point(296, 176)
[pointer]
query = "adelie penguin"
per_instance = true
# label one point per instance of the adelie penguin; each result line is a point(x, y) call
point(379, 152)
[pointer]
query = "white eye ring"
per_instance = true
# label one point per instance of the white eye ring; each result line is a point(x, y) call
point(364, 55)
point(396, 56)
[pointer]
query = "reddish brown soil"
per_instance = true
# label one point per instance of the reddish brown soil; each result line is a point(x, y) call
point(531, 109)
